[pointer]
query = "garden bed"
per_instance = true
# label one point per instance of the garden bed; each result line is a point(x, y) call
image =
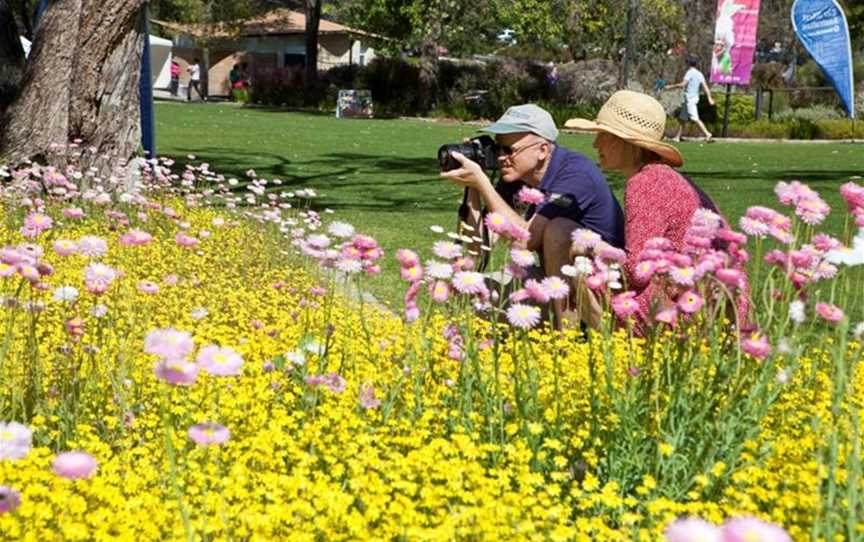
point(132, 319)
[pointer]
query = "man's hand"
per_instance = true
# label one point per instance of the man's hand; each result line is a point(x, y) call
point(470, 175)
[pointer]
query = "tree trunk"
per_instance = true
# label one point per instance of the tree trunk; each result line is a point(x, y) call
point(11, 57)
point(313, 18)
point(428, 74)
point(25, 16)
point(81, 83)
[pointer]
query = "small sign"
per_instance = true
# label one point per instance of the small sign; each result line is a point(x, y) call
point(354, 104)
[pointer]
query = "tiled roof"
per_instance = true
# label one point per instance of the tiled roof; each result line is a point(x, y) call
point(278, 21)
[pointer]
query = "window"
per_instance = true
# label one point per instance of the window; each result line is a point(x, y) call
point(293, 60)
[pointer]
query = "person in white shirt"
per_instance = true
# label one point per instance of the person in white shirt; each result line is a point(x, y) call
point(194, 70)
point(693, 83)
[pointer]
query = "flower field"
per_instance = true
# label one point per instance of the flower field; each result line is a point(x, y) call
point(184, 360)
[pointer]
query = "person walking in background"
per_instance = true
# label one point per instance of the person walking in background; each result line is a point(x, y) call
point(194, 80)
point(235, 80)
point(693, 83)
point(175, 77)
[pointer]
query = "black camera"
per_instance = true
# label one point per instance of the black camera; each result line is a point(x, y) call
point(482, 150)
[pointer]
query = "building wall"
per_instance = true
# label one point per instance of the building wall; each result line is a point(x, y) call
point(263, 52)
point(220, 62)
point(341, 49)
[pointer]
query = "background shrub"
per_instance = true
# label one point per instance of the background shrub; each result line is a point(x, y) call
point(471, 90)
point(812, 113)
point(394, 84)
point(838, 129)
point(765, 129)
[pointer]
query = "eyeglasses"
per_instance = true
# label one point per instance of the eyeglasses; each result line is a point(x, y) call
point(507, 151)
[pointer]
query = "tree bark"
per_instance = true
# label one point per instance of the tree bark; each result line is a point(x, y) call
point(81, 83)
point(11, 57)
point(428, 83)
point(313, 19)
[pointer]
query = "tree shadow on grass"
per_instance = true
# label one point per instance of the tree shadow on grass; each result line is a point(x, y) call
point(316, 112)
point(332, 165)
point(348, 181)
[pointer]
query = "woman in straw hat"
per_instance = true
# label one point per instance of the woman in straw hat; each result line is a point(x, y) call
point(658, 201)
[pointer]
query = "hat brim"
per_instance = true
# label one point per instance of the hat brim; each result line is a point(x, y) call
point(670, 154)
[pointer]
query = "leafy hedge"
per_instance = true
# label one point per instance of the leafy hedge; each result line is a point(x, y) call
point(469, 91)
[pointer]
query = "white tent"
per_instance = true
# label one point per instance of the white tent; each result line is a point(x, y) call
point(25, 43)
point(160, 61)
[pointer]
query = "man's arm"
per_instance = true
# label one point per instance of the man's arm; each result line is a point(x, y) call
point(471, 176)
point(707, 92)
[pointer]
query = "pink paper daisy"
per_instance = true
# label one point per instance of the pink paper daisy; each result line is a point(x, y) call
point(523, 316)
point(497, 223)
point(536, 291)
point(556, 287)
point(584, 239)
point(531, 196)
point(73, 212)
point(522, 258)
point(683, 276)
point(65, 247)
point(469, 282)
point(92, 246)
point(518, 233)
point(667, 316)
point(407, 257)
point(690, 302)
point(176, 371)
point(447, 250)
point(148, 287)
point(220, 361)
point(74, 465)
point(411, 274)
point(368, 399)
point(135, 237)
point(208, 434)
point(440, 291)
point(169, 343)
point(756, 346)
point(747, 529)
point(644, 270)
point(625, 305)
point(10, 499)
point(186, 241)
point(38, 222)
point(830, 313)
point(692, 530)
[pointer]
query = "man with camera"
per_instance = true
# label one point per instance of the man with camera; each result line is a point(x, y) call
point(526, 153)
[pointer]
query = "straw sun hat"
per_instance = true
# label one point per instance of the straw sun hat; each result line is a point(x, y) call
point(636, 118)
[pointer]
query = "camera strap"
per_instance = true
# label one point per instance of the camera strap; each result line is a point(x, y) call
point(464, 210)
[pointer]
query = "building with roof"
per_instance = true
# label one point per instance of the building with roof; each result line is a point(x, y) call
point(275, 40)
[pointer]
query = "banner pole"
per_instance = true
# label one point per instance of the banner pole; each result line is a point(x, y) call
point(726, 110)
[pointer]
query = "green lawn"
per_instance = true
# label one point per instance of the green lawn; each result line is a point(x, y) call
point(381, 175)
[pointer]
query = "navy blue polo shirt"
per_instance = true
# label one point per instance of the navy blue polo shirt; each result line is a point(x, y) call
point(575, 188)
